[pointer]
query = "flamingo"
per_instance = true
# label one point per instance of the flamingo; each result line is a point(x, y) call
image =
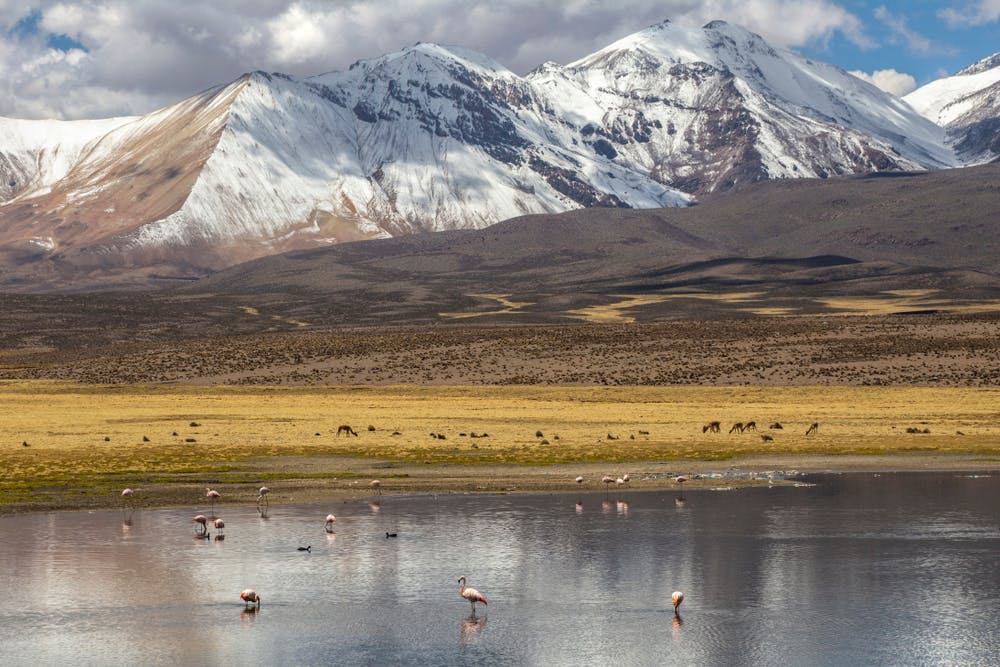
point(680, 479)
point(470, 594)
point(579, 480)
point(219, 525)
point(262, 498)
point(249, 596)
point(620, 481)
point(330, 520)
point(626, 478)
point(127, 497)
point(607, 480)
point(203, 522)
point(677, 598)
point(376, 486)
point(212, 495)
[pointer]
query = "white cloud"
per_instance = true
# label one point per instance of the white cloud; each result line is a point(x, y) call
point(889, 80)
point(972, 13)
point(142, 54)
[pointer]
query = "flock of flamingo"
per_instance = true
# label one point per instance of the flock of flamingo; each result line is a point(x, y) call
point(252, 600)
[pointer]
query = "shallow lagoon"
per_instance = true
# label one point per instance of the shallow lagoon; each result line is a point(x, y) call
point(855, 569)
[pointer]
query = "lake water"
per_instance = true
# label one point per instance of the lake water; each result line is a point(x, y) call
point(857, 569)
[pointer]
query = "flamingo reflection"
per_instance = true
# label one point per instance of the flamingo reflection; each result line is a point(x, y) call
point(471, 628)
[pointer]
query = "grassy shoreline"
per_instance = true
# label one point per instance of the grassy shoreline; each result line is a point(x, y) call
point(87, 442)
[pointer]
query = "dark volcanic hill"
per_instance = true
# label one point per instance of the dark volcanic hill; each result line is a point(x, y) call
point(929, 238)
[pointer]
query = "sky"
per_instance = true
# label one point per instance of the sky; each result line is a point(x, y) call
point(103, 58)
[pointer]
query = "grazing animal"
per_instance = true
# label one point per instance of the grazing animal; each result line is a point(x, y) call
point(765, 437)
point(330, 520)
point(371, 429)
point(776, 426)
point(212, 495)
point(712, 427)
point(738, 427)
point(345, 428)
point(470, 594)
point(677, 598)
point(612, 437)
point(538, 434)
point(249, 596)
point(24, 443)
point(376, 486)
point(202, 528)
point(812, 429)
point(750, 426)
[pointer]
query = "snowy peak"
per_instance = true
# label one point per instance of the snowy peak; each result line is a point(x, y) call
point(968, 106)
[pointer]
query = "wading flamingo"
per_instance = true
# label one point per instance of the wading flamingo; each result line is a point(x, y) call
point(626, 478)
point(249, 596)
point(212, 495)
point(201, 530)
point(607, 480)
point(219, 525)
point(677, 598)
point(330, 520)
point(127, 497)
point(262, 498)
point(376, 486)
point(470, 594)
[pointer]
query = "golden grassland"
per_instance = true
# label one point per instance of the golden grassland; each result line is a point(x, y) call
point(86, 442)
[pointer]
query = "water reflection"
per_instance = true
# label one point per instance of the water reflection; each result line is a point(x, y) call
point(854, 570)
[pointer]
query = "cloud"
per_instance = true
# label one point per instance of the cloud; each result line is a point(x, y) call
point(901, 32)
point(92, 58)
point(972, 14)
point(889, 80)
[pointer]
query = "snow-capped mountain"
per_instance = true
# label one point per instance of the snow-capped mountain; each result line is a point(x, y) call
point(434, 138)
point(968, 106)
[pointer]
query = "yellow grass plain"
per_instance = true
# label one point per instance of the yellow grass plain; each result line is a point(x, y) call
point(86, 442)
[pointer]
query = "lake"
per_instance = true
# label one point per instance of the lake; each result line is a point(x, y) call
point(851, 569)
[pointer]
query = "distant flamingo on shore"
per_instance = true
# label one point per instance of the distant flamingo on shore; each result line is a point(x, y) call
point(470, 594)
point(127, 497)
point(579, 480)
point(330, 520)
point(212, 495)
point(376, 486)
point(607, 480)
point(249, 596)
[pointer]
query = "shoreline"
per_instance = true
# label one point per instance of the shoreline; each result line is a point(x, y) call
point(413, 479)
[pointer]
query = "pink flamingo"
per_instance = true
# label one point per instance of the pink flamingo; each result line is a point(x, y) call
point(579, 480)
point(620, 481)
point(262, 498)
point(677, 598)
point(330, 520)
point(219, 525)
point(470, 594)
point(249, 596)
point(212, 495)
point(127, 497)
point(376, 486)
point(201, 530)
point(626, 478)
point(607, 480)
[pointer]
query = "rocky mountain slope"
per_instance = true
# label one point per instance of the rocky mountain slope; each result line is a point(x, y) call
point(968, 106)
point(433, 138)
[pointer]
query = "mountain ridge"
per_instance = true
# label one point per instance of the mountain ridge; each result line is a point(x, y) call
point(433, 138)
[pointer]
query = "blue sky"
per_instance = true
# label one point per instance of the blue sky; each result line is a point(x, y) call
point(97, 58)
